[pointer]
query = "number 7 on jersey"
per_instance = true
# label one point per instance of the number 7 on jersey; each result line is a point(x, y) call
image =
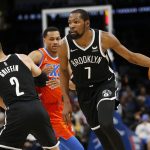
point(89, 71)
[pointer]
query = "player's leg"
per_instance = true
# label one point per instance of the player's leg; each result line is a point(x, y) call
point(12, 134)
point(70, 144)
point(105, 117)
point(65, 133)
point(88, 105)
point(42, 129)
point(103, 139)
point(46, 137)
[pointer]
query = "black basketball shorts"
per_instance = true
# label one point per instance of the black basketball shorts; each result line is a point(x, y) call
point(89, 99)
point(23, 118)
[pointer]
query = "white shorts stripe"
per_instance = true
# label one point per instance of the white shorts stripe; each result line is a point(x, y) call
point(95, 128)
point(52, 146)
point(103, 99)
point(8, 147)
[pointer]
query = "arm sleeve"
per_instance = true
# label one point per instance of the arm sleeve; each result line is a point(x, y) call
point(41, 80)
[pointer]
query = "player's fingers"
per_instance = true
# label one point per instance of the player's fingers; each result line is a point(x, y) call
point(67, 118)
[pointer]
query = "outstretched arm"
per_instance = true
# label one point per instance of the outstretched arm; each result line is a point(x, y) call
point(39, 77)
point(64, 81)
point(110, 41)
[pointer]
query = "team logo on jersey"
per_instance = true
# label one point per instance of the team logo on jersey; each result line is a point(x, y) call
point(106, 93)
point(55, 70)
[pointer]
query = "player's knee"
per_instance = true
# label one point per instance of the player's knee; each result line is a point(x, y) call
point(106, 125)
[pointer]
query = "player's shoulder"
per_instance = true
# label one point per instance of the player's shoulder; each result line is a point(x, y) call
point(106, 34)
point(36, 56)
point(63, 40)
point(24, 57)
point(36, 53)
point(63, 43)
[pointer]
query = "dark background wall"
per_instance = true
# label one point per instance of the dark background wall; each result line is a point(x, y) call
point(24, 35)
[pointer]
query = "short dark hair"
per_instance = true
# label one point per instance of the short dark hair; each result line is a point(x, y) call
point(84, 14)
point(49, 29)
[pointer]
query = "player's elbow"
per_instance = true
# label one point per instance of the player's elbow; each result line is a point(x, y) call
point(132, 58)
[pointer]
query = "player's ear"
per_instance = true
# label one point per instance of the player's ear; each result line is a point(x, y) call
point(43, 40)
point(88, 23)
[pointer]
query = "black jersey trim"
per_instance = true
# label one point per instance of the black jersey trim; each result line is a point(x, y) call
point(57, 144)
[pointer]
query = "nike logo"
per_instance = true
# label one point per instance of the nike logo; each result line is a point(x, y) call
point(94, 47)
point(73, 50)
point(90, 85)
point(109, 78)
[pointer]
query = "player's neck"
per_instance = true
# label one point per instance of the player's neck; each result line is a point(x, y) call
point(52, 54)
point(86, 39)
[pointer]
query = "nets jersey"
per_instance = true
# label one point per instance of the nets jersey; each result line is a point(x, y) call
point(16, 81)
point(50, 95)
point(89, 65)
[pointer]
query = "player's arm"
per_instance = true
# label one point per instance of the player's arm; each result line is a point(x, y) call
point(36, 56)
point(2, 105)
point(64, 80)
point(40, 78)
point(110, 41)
point(71, 84)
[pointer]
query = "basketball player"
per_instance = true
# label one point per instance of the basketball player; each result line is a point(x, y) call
point(24, 113)
point(86, 51)
point(51, 97)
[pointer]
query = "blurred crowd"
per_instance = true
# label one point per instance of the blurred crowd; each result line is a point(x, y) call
point(134, 98)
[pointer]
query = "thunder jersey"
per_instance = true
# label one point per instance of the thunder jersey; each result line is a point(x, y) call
point(89, 65)
point(50, 95)
point(16, 81)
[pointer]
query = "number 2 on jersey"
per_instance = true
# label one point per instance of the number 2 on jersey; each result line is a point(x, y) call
point(89, 72)
point(14, 81)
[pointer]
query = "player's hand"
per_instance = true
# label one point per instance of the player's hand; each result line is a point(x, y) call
point(48, 69)
point(72, 85)
point(149, 73)
point(53, 83)
point(67, 111)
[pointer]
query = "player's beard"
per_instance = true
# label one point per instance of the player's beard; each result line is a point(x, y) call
point(76, 35)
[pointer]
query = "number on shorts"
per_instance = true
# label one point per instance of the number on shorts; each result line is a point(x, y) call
point(89, 72)
point(14, 81)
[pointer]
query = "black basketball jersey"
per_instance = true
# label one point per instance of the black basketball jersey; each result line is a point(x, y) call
point(89, 65)
point(16, 81)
